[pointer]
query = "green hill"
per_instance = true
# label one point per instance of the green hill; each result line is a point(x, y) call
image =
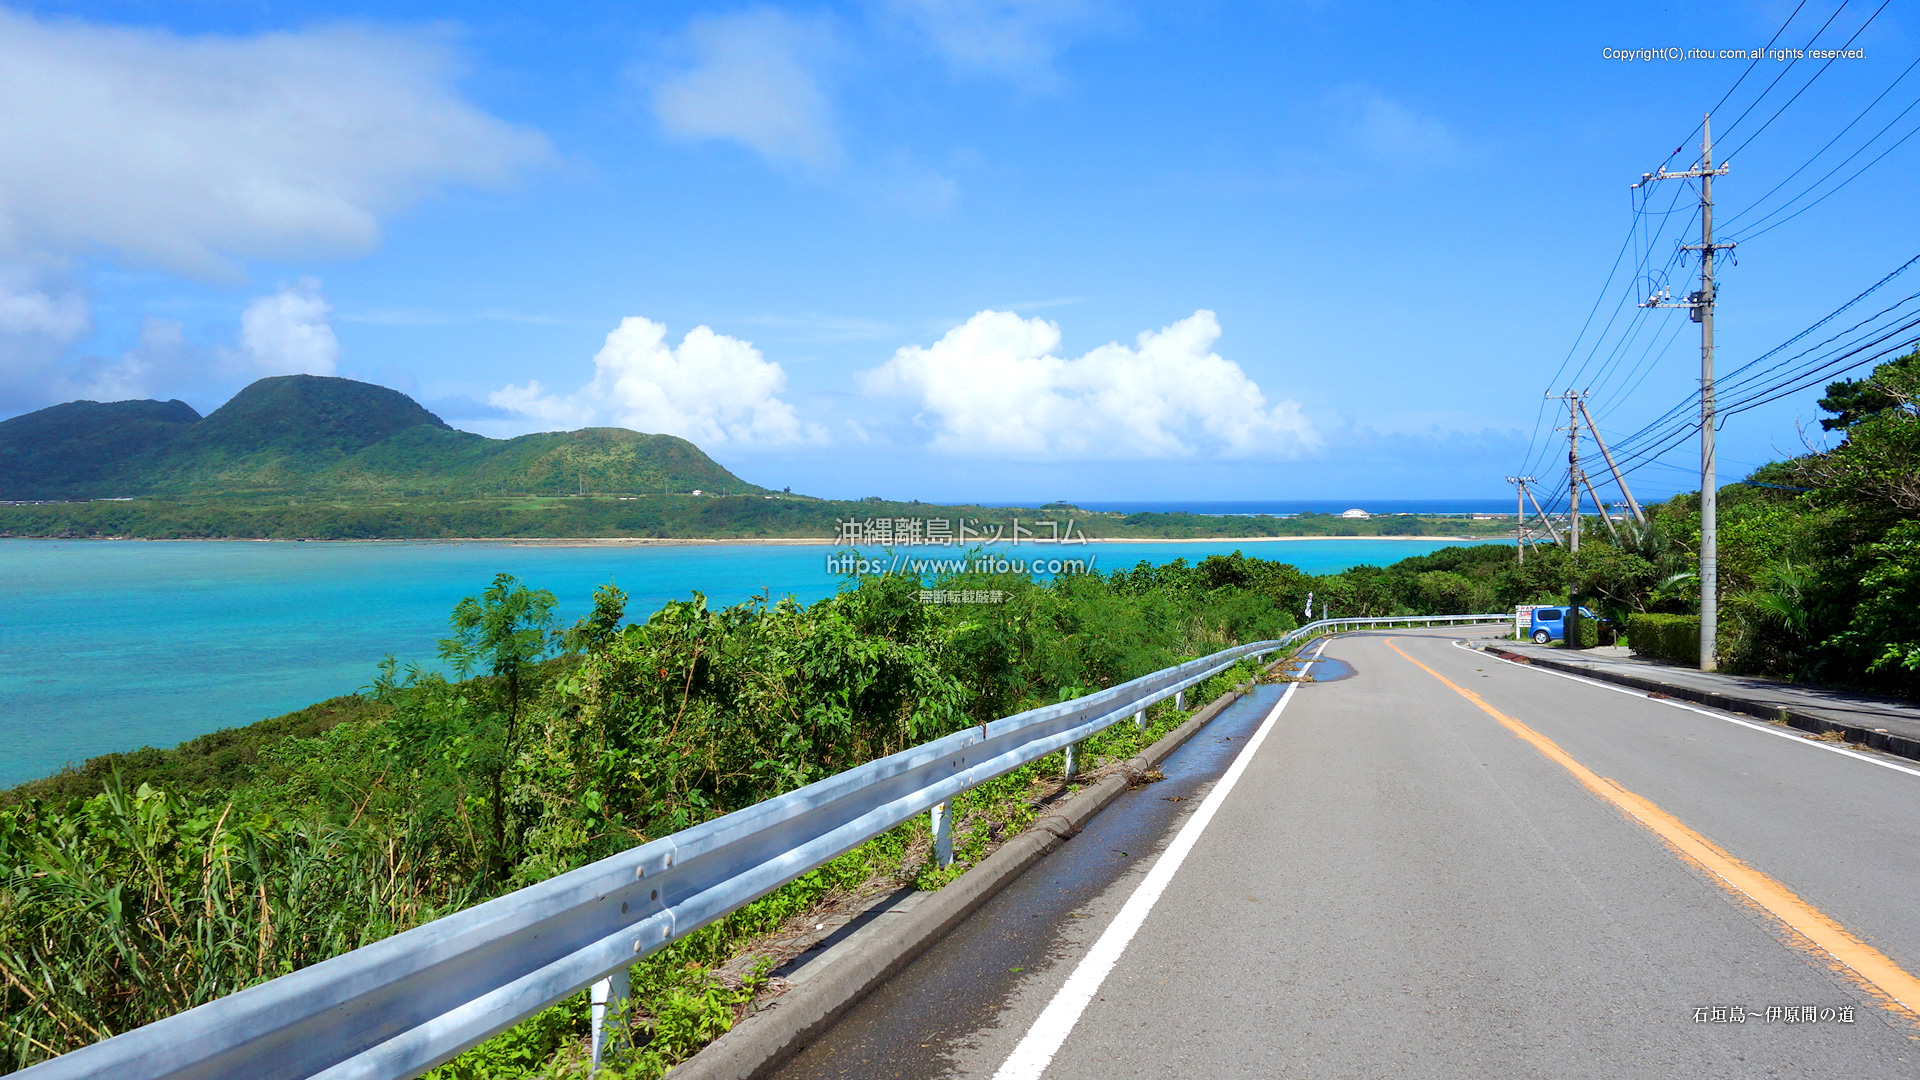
point(314, 436)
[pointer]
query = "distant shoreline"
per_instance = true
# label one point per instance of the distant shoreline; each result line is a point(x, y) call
point(765, 541)
point(610, 541)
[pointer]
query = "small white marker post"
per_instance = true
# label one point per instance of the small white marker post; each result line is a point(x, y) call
point(1140, 720)
point(1073, 760)
point(942, 835)
point(1180, 700)
point(609, 997)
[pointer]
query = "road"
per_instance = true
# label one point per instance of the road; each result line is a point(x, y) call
point(1445, 866)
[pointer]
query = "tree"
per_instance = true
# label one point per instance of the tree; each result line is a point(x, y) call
point(1854, 400)
point(1877, 467)
point(591, 634)
point(505, 630)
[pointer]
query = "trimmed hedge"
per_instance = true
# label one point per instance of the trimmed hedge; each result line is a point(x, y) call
point(1666, 637)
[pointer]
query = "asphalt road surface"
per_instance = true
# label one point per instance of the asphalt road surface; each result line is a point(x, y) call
point(1445, 866)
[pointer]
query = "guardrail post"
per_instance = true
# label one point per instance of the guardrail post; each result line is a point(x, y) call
point(1140, 720)
point(1073, 761)
point(1180, 700)
point(942, 835)
point(609, 997)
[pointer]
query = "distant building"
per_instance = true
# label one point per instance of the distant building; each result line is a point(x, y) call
point(1356, 513)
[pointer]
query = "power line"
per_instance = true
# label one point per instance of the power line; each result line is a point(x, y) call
point(1876, 342)
point(1817, 153)
point(1791, 64)
point(1815, 77)
point(1645, 228)
point(1759, 56)
point(1631, 293)
point(1823, 198)
point(1741, 373)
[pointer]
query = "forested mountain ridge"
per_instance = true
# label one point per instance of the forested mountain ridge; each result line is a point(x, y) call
point(316, 435)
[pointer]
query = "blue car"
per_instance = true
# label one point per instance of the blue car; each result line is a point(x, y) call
point(1550, 623)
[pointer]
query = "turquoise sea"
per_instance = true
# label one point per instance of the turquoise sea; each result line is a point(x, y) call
point(111, 645)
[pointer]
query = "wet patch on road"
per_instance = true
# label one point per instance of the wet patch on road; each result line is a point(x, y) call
point(921, 1022)
point(1327, 669)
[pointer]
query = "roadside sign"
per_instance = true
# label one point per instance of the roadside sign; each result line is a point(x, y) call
point(1523, 619)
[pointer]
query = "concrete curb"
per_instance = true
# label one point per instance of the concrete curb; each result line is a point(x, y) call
point(765, 1040)
point(1899, 745)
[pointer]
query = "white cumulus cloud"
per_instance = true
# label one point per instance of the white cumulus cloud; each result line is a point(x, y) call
point(995, 386)
point(288, 333)
point(189, 151)
point(711, 389)
point(754, 78)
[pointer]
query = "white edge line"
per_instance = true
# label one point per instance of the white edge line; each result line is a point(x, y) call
point(1057, 1020)
point(1764, 729)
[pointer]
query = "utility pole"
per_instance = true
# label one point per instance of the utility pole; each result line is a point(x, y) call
point(1520, 514)
point(1700, 305)
point(1574, 475)
point(1574, 479)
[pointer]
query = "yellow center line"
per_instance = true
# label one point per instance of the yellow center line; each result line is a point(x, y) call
point(1886, 979)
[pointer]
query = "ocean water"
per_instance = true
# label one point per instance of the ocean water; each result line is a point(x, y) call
point(111, 645)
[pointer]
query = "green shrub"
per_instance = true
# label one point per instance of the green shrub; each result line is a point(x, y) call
point(1666, 637)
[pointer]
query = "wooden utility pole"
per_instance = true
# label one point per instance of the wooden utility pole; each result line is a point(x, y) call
point(1520, 515)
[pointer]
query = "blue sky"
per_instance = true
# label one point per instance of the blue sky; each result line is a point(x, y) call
point(987, 250)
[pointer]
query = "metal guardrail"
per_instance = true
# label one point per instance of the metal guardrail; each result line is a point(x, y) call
point(400, 1006)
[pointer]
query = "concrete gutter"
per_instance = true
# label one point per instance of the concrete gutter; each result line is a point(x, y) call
point(762, 1042)
point(1901, 745)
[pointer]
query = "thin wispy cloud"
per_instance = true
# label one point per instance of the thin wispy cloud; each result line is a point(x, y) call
point(1391, 133)
point(1016, 40)
point(756, 78)
point(191, 151)
point(770, 80)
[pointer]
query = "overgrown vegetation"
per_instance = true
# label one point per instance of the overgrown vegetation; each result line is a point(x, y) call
point(1674, 638)
point(152, 882)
